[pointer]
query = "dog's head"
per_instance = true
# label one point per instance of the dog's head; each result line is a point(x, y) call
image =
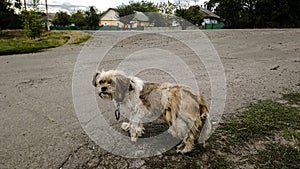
point(112, 84)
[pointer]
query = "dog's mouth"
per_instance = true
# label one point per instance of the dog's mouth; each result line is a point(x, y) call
point(105, 95)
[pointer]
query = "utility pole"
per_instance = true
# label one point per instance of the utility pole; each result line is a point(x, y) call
point(196, 1)
point(47, 19)
point(25, 4)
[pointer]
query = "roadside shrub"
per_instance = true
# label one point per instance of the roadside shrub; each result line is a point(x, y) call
point(33, 21)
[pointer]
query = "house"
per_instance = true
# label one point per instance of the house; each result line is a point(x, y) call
point(110, 18)
point(209, 17)
point(139, 19)
point(211, 20)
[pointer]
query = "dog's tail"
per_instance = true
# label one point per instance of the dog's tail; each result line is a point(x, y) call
point(205, 118)
point(203, 108)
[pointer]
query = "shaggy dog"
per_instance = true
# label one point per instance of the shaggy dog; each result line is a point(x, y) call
point(182, 109)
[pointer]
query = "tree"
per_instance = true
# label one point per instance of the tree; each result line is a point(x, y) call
point(231, 11)
point(92, 18)
point(167, 7)
point(62, 19)
point(78, 18)
point(126, 12)
point(211, 4)
point(182, 4)
point(18, 4)
point(193, 14)
point(249, 11)
point(257, 13)
point(8, 18)
point(276, 14)
point(33, 21)
point(294, 11)
point(144, 6)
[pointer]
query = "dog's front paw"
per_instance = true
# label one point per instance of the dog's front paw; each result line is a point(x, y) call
point(134, 139)
point(125, 126)
point(140, 131)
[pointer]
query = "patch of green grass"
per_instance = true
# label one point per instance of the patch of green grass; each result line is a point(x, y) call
point(78, 37)
point(218, 162)
point(260, 120)
point(158, 163)
point(15, 41)
point(277, 156)
point(292, 97)
point(292, 134)
point(265, 135)
point(186, 161)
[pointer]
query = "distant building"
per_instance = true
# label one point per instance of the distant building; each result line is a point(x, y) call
point(209, 17)
point(50, 17)
point(139, 19)
point(110, 18)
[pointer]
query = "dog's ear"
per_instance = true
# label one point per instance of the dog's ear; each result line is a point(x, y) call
point(121, 84)
point(94, 79)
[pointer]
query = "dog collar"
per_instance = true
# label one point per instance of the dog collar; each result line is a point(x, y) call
point(117, 111)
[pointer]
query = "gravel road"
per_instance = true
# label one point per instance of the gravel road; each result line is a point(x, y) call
point(39, 127)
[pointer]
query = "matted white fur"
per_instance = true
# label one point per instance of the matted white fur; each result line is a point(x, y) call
point(182, 109)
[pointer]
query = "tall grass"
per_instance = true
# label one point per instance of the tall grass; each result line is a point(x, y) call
point(16, 41)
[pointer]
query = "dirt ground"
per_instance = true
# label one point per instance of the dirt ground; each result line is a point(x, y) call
point(39, 127)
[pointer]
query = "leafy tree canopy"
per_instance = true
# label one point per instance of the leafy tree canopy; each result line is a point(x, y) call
point(192, 14)
point(167, 7)
point(257, 13)
point(33, 21)
point(8, 17)
point(92, 17)
point(62, 19)
point(126, 11)
point(78, 18)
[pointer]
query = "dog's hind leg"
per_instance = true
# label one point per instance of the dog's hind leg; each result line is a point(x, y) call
point(187, 144)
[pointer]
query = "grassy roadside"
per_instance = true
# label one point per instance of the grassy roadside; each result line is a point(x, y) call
point(15, 41)
point(265, 135)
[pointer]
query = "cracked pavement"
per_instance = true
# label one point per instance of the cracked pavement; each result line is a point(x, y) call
point(39, 128)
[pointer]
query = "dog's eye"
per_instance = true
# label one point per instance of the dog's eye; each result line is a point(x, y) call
point(109, 82)
point(101, 82)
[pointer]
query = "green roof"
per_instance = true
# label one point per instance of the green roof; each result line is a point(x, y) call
point(140, 16)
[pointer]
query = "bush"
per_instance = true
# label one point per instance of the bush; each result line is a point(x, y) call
point(33, 22)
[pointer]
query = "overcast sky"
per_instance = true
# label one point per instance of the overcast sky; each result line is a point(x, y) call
point(101, 5)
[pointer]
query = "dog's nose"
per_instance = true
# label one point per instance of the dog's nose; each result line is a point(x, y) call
point(103, 89)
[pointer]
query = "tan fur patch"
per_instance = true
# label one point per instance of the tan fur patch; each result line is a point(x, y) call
point(182, 109)
point(145, 93)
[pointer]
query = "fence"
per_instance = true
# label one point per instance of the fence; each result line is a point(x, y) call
point(140, 28)
point(74, 28)
point(214, 26)
point(87, 28)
